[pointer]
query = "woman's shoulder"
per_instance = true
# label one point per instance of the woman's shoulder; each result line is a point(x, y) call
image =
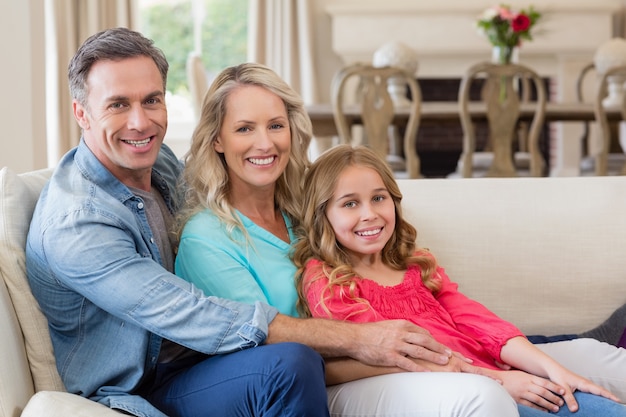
point(203, 221)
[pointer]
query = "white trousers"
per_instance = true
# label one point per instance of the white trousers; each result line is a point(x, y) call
point(421, 394)
point(597, 361)
point(436, 394)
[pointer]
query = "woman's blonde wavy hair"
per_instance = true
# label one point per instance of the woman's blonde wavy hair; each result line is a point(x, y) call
point(206, 174)
point(316, 238)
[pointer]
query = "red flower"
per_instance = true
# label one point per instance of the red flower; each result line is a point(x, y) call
point(520, 23)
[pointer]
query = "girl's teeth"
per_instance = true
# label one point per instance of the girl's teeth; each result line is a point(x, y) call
point(369, 232)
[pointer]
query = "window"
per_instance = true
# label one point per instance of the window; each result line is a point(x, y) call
point(217, 29)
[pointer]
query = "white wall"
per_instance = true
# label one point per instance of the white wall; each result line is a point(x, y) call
point(22, 108)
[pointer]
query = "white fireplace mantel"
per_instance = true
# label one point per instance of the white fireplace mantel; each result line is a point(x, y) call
point(444, 36)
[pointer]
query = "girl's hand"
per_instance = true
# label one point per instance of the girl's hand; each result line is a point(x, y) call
point(532, 391)
point(572, 382)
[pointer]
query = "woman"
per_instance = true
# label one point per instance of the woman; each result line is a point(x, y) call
point(244, 171)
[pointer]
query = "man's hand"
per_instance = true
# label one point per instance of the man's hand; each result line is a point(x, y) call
point(396, 343)
point(392, 343)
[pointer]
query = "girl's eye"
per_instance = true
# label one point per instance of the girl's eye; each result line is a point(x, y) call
point(379, 198)
point(350, 204)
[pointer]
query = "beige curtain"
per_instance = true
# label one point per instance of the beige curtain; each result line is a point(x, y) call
point(280, 36)
point(69, 23)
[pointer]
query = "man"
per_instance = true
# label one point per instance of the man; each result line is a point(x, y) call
point(126, 331)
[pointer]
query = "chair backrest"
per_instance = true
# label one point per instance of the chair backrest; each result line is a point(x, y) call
point(375, 109)
point(503, 103)
point(197, 80)
point(618, 72)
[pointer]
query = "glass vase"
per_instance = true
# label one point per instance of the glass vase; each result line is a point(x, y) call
point(505, 55)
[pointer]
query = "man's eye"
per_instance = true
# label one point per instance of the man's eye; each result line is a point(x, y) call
point(152, 101)
point(117, 107)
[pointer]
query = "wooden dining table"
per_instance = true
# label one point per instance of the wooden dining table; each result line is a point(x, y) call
point(448, 111)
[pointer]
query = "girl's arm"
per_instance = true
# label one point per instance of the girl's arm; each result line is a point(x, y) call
point(474, 319)
point(521, 354)
point(340, 370)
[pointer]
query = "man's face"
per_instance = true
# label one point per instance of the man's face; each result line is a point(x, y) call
point(125, 118)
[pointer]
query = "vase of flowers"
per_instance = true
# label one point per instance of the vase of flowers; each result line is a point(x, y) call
point(506, 28)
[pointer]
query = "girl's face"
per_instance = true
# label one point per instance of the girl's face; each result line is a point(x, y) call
point(361, 212)
point(255, 137)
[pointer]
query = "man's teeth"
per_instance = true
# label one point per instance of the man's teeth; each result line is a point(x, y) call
point(369, 232)
point(138, 142)
point(262, 161)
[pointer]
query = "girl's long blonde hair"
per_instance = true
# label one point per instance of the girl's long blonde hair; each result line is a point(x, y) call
point(206, 174)
point(316, 238)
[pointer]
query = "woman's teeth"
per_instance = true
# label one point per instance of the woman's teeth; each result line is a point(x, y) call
point(261, 161)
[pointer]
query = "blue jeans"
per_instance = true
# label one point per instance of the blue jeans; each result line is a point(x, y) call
point(285, 379)
point(589, 405)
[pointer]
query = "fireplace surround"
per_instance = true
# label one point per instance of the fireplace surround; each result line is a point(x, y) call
point(444, 36)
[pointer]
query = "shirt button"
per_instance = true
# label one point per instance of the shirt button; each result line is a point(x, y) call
point(151, 240)
point(140, 206)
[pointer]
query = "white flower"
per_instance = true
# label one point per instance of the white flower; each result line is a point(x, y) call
point(490, 13)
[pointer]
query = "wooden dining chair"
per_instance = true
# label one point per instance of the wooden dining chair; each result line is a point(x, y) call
point(505, 89)
point(197, 81)
point(602, 158)
point(375, 109)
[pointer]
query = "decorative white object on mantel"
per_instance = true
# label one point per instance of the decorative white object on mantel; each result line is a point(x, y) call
point(396, 54)
point(610, 54)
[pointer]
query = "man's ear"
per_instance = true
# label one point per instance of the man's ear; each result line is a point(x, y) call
point(80, 114)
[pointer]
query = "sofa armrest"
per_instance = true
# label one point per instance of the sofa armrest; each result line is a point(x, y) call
point(64, 404)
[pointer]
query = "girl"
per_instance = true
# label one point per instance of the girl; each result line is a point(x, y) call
point(358, 262)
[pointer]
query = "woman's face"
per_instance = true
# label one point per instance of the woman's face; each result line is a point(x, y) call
point(255, 138)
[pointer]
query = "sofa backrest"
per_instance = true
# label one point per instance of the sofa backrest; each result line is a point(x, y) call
point(23, 326)
point(548, 254)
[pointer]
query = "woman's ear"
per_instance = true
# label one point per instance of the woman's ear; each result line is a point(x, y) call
point(217, 145)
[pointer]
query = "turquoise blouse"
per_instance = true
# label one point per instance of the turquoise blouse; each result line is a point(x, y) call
point(233, 266)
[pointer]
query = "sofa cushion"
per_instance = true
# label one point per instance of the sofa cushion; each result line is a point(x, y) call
point(18, 196)
point(544, 253)
point(63, 404)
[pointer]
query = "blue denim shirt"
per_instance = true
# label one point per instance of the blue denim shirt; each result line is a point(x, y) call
point(96, 272)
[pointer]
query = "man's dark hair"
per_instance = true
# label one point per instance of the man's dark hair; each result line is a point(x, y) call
point(111, 44)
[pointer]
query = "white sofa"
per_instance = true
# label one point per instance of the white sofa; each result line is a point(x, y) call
point(544, 253)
